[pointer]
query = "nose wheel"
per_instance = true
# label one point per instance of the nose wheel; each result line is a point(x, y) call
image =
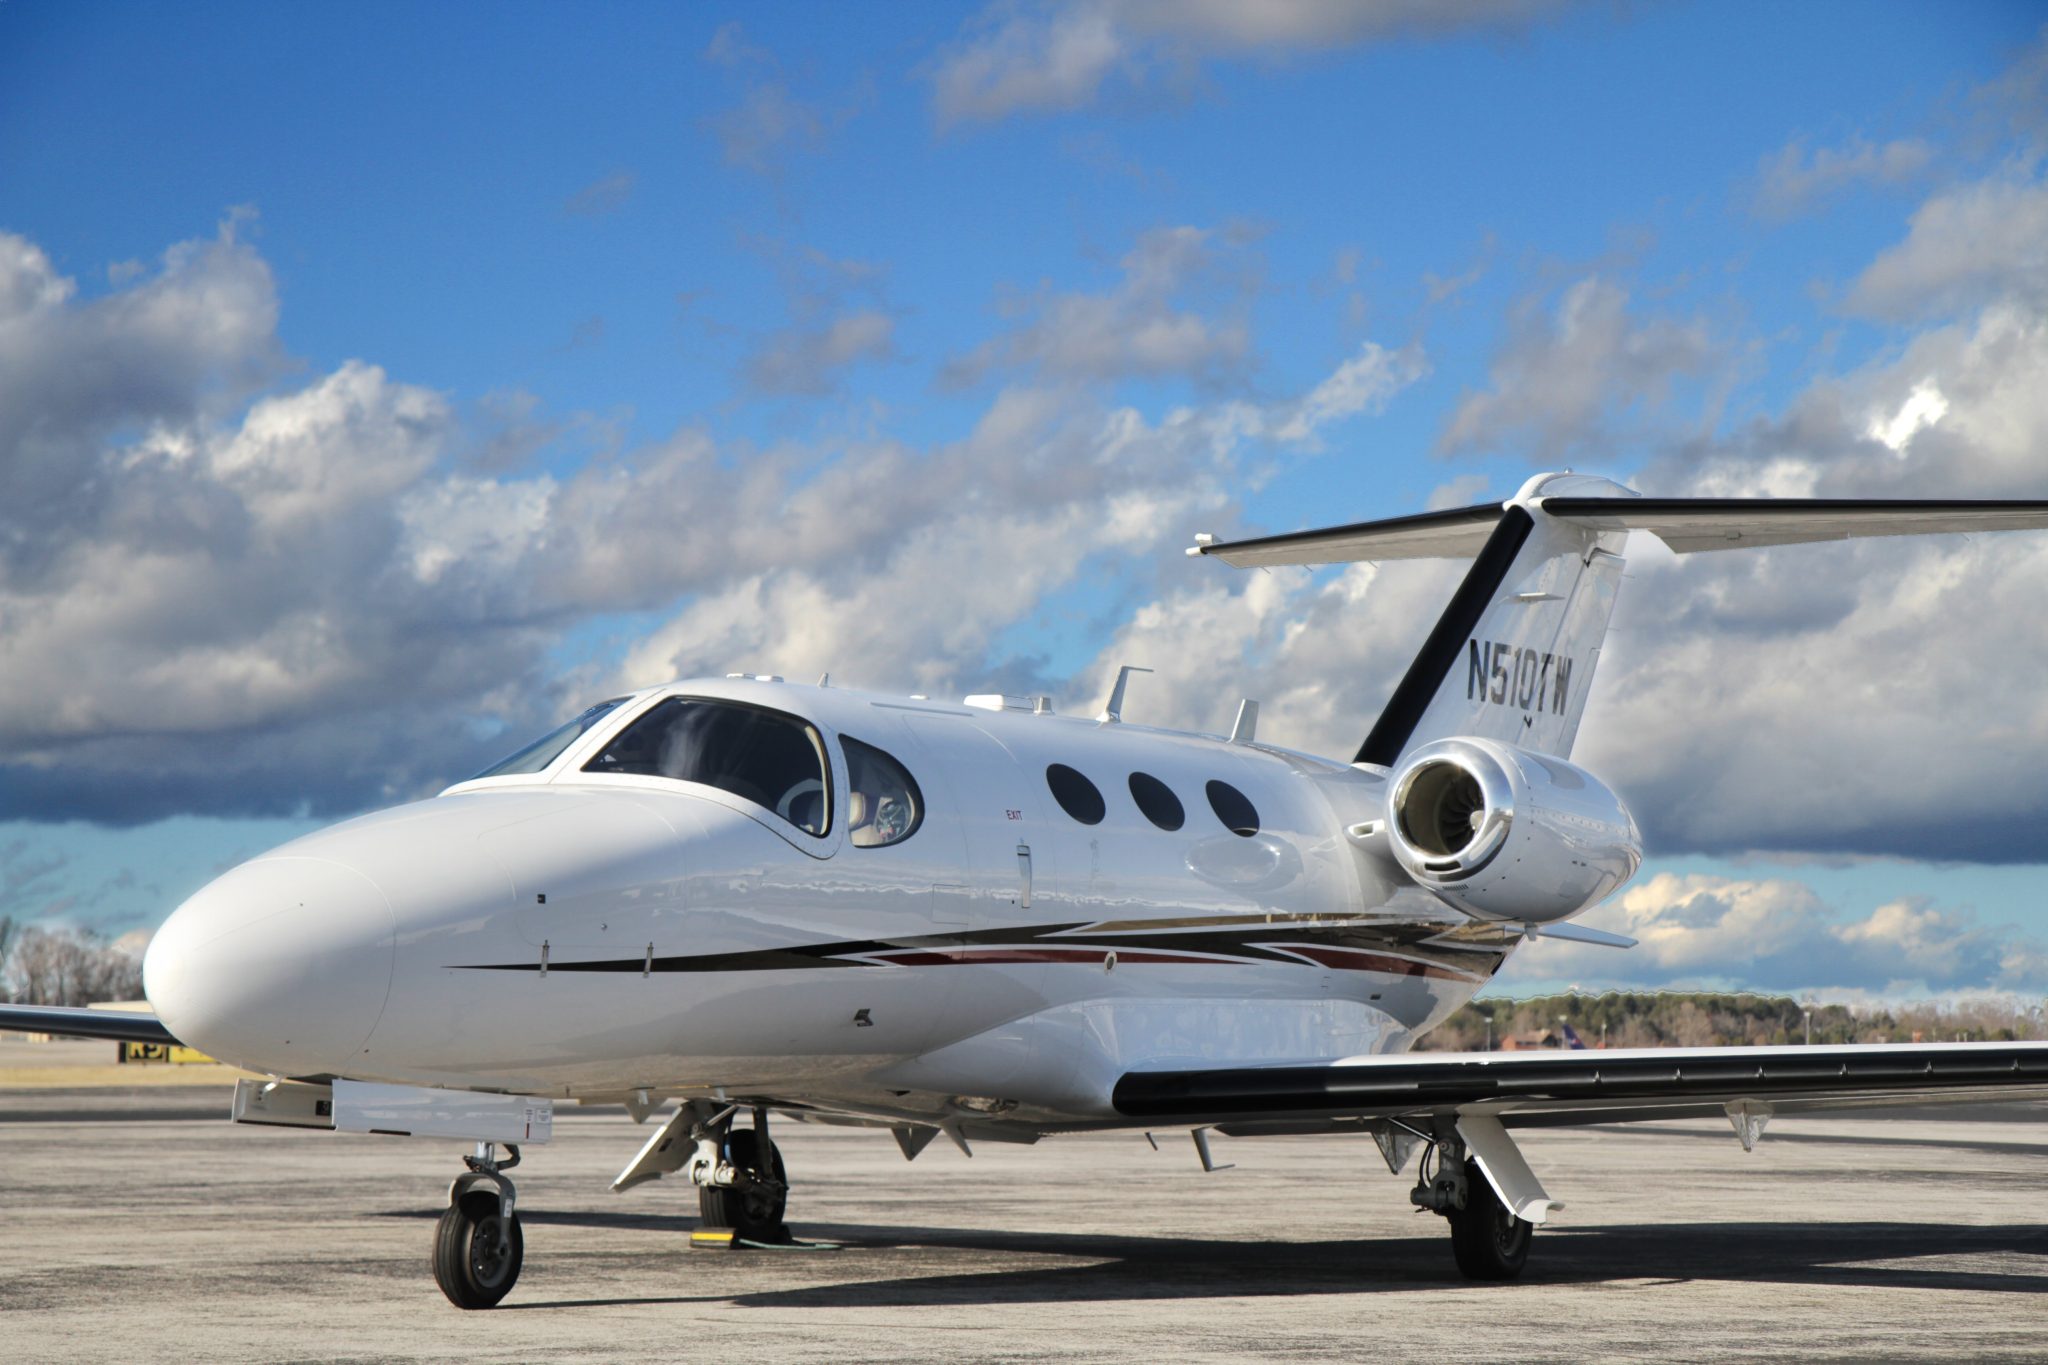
point(754, 1204)
point(478, 1247)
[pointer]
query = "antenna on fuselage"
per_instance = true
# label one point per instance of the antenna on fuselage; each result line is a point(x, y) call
point(1247, 724)
point(1113, 709)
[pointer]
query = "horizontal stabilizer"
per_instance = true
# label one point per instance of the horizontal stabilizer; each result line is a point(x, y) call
point(123, 1026)
point(1684, 524)
point(1456, 534)
point(1689, 524)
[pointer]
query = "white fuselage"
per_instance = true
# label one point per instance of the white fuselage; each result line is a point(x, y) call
point(592, 933)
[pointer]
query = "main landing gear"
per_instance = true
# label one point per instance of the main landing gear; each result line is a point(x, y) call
point(1489, 1241)
point(478, 1247)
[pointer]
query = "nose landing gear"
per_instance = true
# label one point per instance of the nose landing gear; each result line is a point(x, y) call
point(744, 1186)
point(478, 1247)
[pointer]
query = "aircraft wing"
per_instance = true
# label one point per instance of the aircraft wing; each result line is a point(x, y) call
point(1529, 1089)
point(1684, 524)
point(121, 1025)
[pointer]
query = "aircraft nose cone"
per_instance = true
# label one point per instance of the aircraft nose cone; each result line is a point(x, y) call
point(283, 965)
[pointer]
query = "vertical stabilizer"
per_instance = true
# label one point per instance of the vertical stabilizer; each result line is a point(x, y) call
point(1513, 655)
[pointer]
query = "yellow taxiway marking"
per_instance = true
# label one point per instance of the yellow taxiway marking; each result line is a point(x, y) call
point(113, 1076)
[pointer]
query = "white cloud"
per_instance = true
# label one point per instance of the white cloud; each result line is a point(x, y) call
point(28, 282)
point(807, 359)
point(1363, 383)
point(607, 194)
point(1877, 696)
point(1923, 407)
point(1702, 931)
point(1874, 697)
point(1973, 245)
point(318, 599)
point(1030, 60)
point(767, 124)
point(168, 348)
point(1058, 56)
point(913, 565)
point(1796, 178)
point(770, 123)
point(1561, 379)
point(1139, 328)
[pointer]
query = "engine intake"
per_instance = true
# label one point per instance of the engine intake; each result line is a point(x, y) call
point(1507, 834)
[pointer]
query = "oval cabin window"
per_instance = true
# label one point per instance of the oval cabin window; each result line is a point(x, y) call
point(1076, 794)
point(883, 804)
point(1157, 801)
point(1234, 809)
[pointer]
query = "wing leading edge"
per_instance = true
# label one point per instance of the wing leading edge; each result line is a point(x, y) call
point(66, 1022)
point(1541, 1089)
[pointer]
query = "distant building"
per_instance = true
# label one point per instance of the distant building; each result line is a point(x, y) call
point(1532, 1042)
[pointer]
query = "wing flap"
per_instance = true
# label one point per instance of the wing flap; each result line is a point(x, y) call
point(1592, 1086)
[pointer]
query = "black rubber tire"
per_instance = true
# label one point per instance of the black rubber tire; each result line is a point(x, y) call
point(755, 1212)
point(1488, 1240)
point(467, 1263)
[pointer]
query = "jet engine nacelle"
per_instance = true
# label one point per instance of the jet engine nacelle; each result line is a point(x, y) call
point(1506, 834)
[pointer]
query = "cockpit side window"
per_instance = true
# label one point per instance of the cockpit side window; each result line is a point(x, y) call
point(883, 804)
point(549, 746)
point(766, 757)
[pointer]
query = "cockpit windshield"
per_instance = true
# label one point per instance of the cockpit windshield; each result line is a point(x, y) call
point(549, 746)
point(763, 756)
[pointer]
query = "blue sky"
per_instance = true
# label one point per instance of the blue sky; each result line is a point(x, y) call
point(388, 379)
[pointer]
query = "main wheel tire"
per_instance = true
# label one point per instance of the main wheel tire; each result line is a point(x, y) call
point(1490, 1242)
point(754, 1210)
point(469, 1264)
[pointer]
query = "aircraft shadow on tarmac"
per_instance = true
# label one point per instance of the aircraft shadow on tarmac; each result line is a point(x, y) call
point(1874, 1255)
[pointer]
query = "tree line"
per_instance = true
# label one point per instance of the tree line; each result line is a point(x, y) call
point(64, 966)
point(1707, 1019)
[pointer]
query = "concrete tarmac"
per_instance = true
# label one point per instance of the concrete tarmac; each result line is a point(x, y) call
point(134, 1228)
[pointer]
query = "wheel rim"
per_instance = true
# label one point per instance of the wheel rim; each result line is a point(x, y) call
point(1508, 1232)
point(486, 1262)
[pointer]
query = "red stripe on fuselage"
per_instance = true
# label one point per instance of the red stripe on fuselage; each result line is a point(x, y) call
point(1358, 960)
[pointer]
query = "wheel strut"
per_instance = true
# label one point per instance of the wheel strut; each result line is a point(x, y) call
point(478, 1247)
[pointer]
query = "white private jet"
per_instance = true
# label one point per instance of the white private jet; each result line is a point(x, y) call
point(994, 923)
